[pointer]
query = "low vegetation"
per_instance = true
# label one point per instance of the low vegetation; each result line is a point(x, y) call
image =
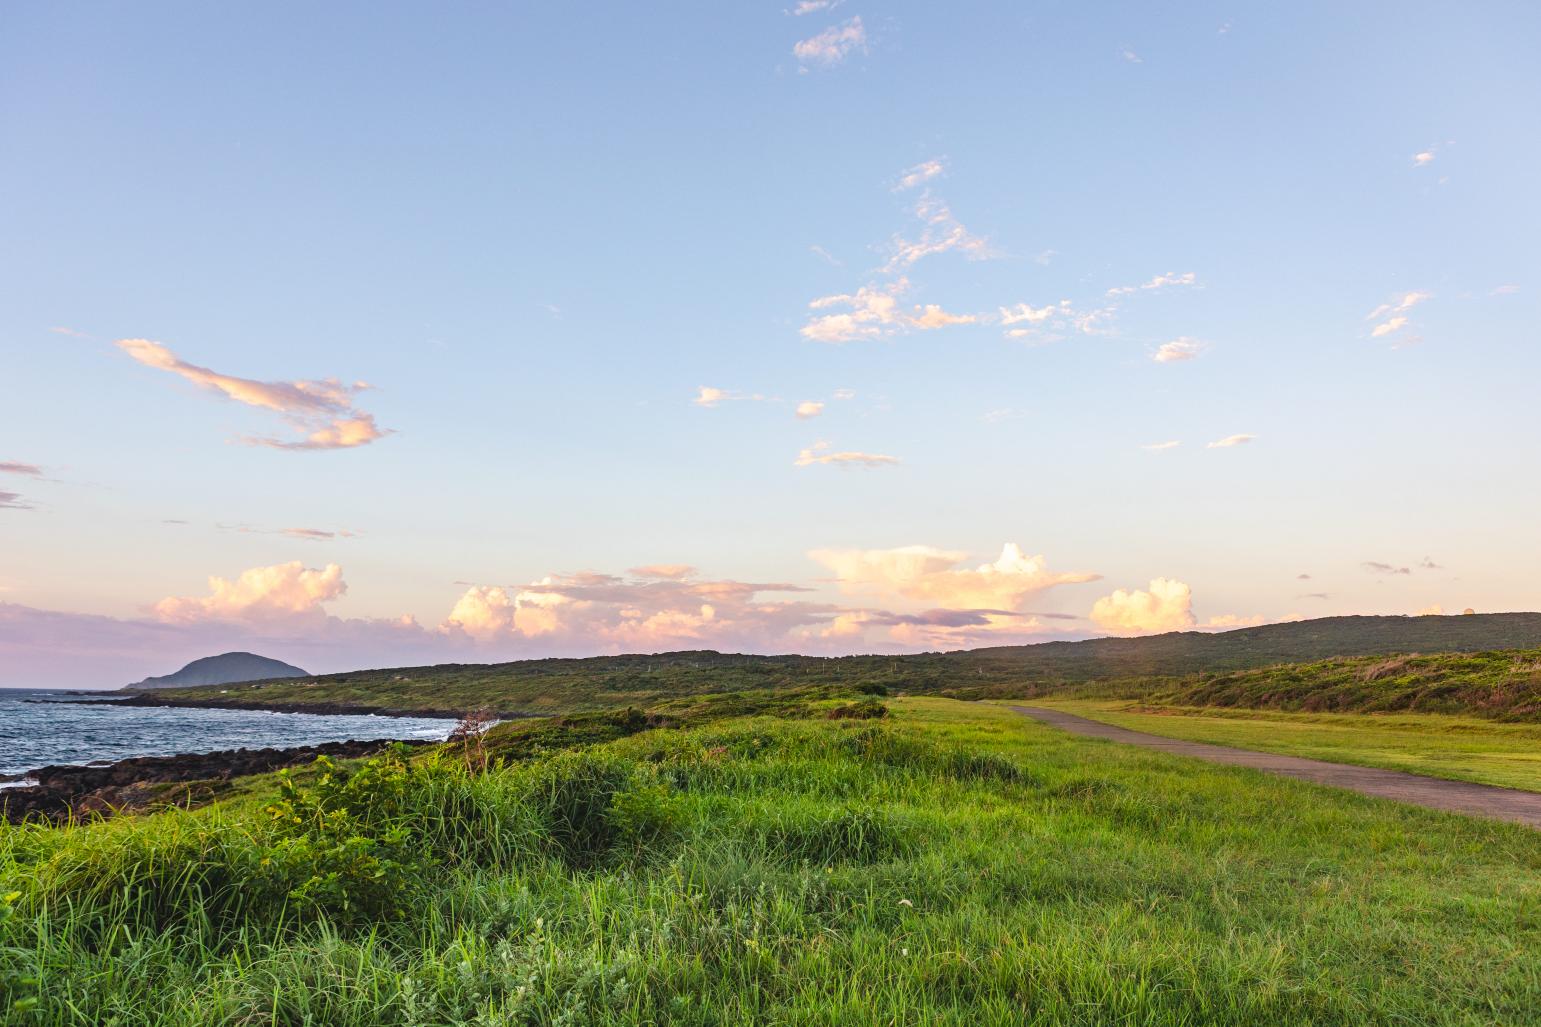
point(773, 858)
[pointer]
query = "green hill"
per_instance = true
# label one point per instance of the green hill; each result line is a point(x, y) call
point(568, 685)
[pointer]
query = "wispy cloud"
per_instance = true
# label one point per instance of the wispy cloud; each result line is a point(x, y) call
point(809, 408)
point(1231, 440)
point(821, 252)
point(322, 411)
point(71, 332)
point(1424, 157)
point(941, 232)
point(16, 467)
point(920, 174)
point(1394, 324)
point(822, 453)
point(1181, 348)
point(813, 7)
point(1379, 567)
point(1157, 447)
point(709, 396)
point(304, 534)
point(1161, 281)
point(1395, 313)
point(1130, 56)
point(833, 45)
point(13, 501)
point(1504, 290)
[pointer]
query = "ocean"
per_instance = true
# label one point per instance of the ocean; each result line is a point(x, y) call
point(39, 727)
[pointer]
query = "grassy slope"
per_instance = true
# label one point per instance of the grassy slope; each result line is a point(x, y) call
point(1459, 748)
point(549, 686)
point(821, 872)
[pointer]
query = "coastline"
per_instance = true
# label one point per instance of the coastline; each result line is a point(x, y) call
point(321, 708)
point(62, 791)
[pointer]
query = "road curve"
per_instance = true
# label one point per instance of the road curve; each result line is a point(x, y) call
point(1433, 792)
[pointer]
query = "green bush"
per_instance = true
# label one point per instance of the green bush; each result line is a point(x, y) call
point(344, 845)
point(591, 802)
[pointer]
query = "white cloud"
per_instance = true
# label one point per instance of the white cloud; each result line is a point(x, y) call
point(1504, 290)
point(1231, 440)
point(1182, 348)
point(1400, 305)
point(1130, 56)
point(322, 411)
point(933, 316)
point(937, 575)
point(1166, 606)
point(1033, 316)
point(709, 396)
point(845, 393)
point(1158, 282)
point(1424, 157)
point(1388, 326)
point(822, 453)
point(1159, 446)
point(829, 258)
point(809, 408)
point(813, 7)
point(874, 313)
point(17, 467)
point(920, 173)
point(833, 45)
point(281, 591)
point(941, 233)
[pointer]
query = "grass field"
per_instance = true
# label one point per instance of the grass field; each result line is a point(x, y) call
point(1459, 748)
point(751, 860)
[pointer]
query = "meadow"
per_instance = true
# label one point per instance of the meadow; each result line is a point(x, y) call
point(821, 857)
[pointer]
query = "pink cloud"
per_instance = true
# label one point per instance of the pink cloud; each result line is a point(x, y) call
point(322, 411)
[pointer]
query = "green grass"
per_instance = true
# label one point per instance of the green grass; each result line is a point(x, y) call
point(1437, 745)
point(761, 862)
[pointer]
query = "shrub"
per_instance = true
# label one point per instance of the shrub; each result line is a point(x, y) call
point(867, 709)
point(344, 845)
point(589, 803)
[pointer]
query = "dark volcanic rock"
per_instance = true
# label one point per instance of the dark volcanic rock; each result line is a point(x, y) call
point(157, 780)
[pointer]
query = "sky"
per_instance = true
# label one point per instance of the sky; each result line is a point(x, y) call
point(380, 334)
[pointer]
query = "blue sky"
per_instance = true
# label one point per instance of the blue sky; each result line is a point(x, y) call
point(537, 233)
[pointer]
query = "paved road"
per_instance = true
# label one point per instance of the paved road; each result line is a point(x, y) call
point(1433, 792)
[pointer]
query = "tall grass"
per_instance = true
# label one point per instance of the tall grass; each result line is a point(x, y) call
point(950, 864)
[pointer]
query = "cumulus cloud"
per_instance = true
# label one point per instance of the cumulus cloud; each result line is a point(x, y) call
point(833, 45)
point(1166, 606)
point(283, 590)
point(933, 316)
point(323, 412)
point(1181, 348)
point(822, 453)
point(874, 312)
point(1231, 440)
point(16, 467)
point(939, 575)
point(809, 408)
point(1158, 282)
point(1423, 157)
point(708, 396)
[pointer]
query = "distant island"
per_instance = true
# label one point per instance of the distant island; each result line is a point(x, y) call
point(224, 669)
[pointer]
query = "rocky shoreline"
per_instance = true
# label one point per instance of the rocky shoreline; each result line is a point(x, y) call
point(59, 792)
